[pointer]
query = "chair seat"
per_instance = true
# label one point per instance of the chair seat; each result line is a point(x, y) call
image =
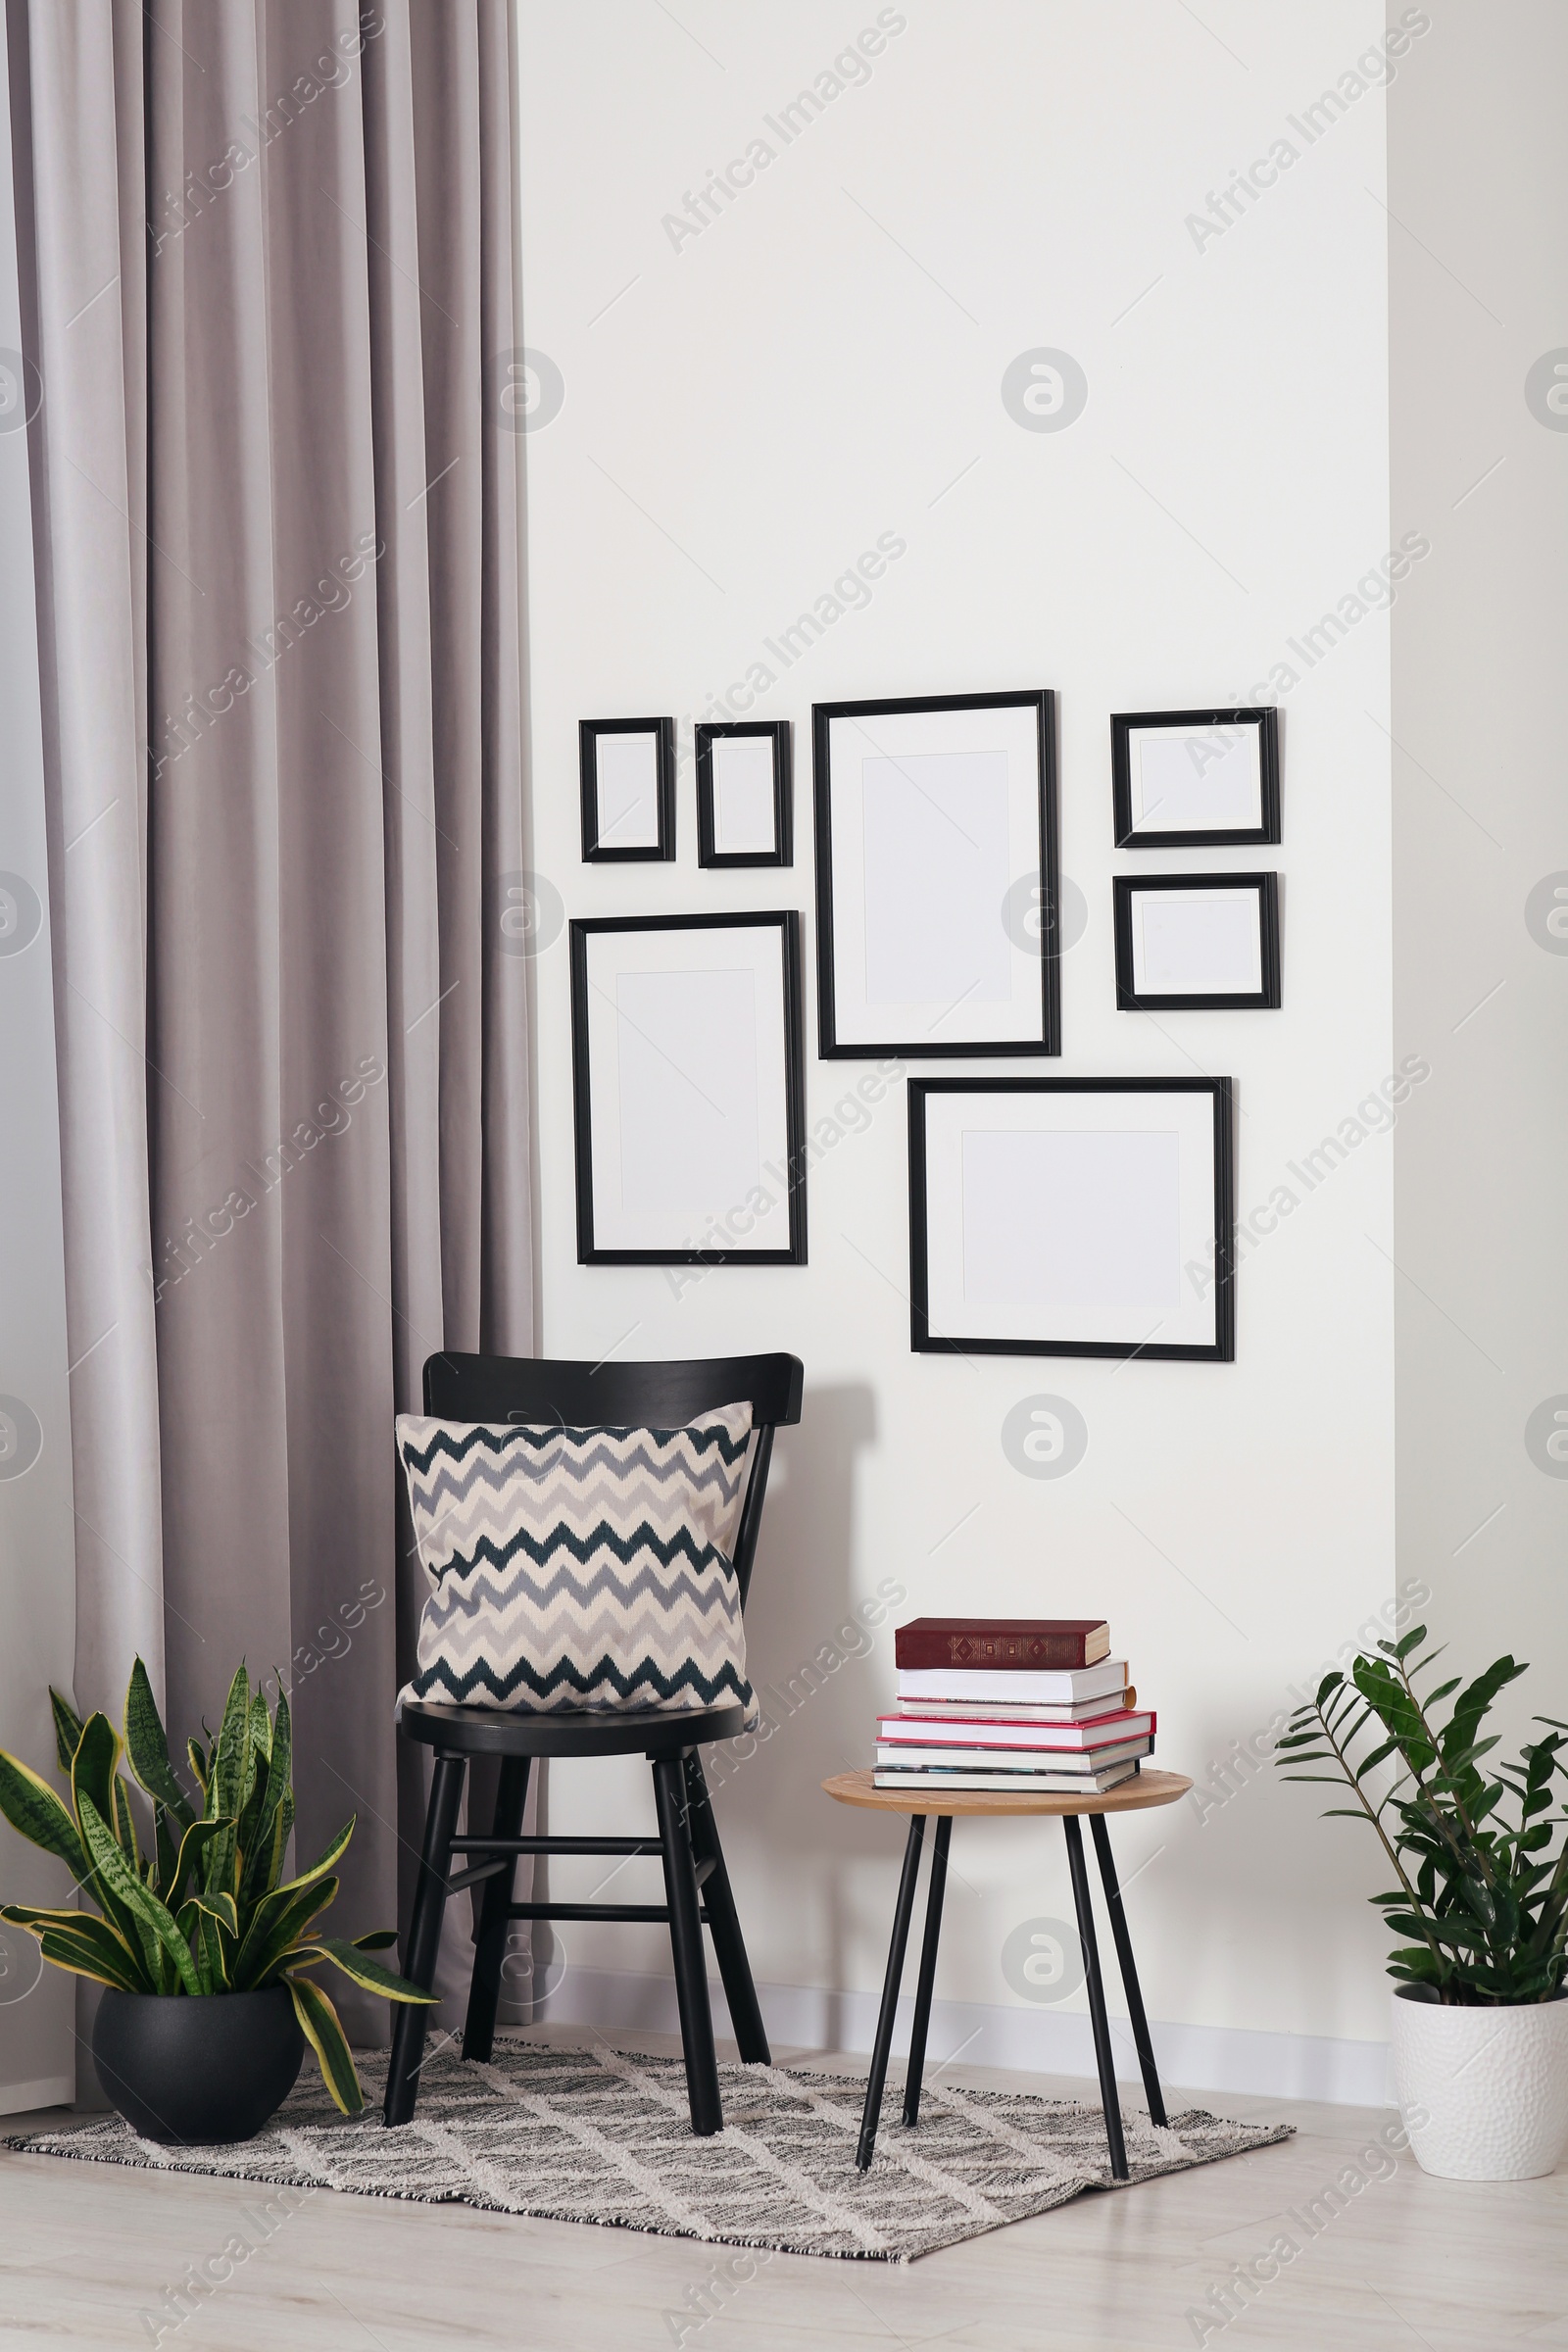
point(571, 1732)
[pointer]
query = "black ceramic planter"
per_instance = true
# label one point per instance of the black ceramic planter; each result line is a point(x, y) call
point(191, 2072)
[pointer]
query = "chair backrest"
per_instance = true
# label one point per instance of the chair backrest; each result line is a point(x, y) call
point(623, 1395)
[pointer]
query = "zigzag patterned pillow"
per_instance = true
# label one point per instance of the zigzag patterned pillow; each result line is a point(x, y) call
point(579, 1567)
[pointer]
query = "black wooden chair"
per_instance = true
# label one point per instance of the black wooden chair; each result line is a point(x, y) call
point(697, 1888)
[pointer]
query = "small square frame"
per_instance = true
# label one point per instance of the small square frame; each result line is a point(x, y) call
point(1132, 836)
point(708, 734)
point(1206, 1240)
point(1265, 999)
point(593, 850)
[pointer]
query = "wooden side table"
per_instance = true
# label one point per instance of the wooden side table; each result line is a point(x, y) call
point(1134, 1796)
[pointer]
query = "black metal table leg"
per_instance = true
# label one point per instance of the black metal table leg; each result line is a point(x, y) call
point(424, 1939)
point(890, 1993)
point(1129, 1973)
point(1097, 1997)
point(724, 1925)
point(484, 1989)
point(686, 1946)
point(928, 1968)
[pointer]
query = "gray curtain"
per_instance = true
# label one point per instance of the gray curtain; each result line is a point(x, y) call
point(272, 276)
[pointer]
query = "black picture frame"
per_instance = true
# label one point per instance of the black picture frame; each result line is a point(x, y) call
point(1266, 998)
point(786, 1172)
point(1220, 1266)
point(709, 732)
point(661, 852)
point(1041, 702)
point(1264, 717)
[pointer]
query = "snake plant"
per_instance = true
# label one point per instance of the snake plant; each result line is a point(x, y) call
point(207, 1910)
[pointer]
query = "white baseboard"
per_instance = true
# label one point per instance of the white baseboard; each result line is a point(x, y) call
point(1045, 2041)
point(19, 2099)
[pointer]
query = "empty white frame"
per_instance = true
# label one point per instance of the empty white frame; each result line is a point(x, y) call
point(688, 1090)
point(1196, 942)
point(1062, 1216)
point(743, 800)
point(627, 775)
point(1193, 777)
point(930, 812)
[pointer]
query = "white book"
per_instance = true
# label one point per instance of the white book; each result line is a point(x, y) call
point(1061, 1686)
point(977, 1710)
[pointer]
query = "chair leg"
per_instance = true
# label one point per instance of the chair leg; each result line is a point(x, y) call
point(723, 1922)
point(928, 1968)
point(423, 1938)
point(1129, 1971)
point(902, 1911)
point(1104, 2057)
point(484, 1989)
point(686, 1946)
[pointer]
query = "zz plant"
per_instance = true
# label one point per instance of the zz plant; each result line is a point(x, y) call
point(208, 1911)
point(1480, 1889)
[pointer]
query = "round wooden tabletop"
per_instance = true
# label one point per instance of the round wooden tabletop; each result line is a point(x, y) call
point(1145, 1788)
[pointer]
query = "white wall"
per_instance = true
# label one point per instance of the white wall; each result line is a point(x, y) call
point(37, 1552)
point(1478, 298)
point(746, 410)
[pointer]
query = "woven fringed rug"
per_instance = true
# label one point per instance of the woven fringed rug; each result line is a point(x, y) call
point(603, 2136)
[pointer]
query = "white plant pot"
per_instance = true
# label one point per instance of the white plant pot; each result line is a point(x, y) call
point(1484, 2092)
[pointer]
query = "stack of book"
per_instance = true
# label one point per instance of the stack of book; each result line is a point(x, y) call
point(1020, 1705)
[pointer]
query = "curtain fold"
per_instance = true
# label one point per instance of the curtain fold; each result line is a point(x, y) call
point(84, 288)
point(281, 593)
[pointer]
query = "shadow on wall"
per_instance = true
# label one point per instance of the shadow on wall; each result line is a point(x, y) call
point(808, 1640)
point(805, 1638)
point(800, 1626)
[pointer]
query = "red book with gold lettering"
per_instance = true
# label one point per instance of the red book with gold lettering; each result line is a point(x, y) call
point(1001, 1644)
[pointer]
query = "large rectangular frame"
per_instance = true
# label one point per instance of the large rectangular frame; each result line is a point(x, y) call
point(1220, 1350)
point(788, 924)
point(1042, 702)
point(1265, 716)
point(1127, 887)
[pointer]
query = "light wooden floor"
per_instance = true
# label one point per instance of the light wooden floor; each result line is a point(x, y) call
point(84, 2250)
